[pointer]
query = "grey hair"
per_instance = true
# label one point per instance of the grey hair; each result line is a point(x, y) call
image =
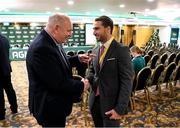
point(56, 19)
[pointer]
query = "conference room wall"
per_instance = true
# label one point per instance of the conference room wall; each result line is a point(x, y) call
point(143, 33)
point(140, 37)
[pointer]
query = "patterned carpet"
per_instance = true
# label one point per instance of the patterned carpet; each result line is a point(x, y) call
point(165, 112)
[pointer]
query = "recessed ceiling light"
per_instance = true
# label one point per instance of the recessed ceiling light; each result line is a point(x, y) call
point(102, 10)
point(48, 12)
point(57, 8)
point(147, 10)
point(121, 5)
point(88, 13)
point(150, 0)
point(70, 2)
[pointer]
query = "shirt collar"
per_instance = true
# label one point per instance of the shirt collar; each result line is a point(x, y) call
point(107, 43)
point(55, 41)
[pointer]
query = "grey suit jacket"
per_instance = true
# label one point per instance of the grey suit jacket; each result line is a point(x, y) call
point(114, 78)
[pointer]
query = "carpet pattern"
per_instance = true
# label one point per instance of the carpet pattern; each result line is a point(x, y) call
point(164, 113)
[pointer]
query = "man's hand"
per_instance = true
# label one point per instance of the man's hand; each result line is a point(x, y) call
point(86, 84)
point(113, 114)
point(86, 58)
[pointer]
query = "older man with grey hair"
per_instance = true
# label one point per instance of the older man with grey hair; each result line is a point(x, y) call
point(52, 89)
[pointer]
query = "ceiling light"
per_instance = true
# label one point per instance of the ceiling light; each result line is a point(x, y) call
point(102, 10)
point(150, 0)
point(57, 8)
point(88, 13)
point(121, 5)
point(70, 2)
point(147, 10)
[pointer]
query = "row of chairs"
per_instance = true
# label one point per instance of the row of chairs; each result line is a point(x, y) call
point(148, 77)
point(160, 50)
point(17, 46)
point(72, 53)
point(79, 70)
point(163, 59)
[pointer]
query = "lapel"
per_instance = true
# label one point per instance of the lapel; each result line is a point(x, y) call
point(65, 66)
point(63, 54)
point(108, 53)
point(51, 43)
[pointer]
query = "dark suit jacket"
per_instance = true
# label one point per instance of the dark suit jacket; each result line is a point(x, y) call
point(5, 68)
point(50, 80)
point(114, 79)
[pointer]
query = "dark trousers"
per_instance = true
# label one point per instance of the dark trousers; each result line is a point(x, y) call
point(5, 84)
point(99, 120)
point(52, 118)
point(52, 122)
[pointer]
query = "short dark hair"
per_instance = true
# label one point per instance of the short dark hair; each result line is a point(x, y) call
point(106, 21)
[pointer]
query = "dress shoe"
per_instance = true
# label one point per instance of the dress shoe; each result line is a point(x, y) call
point(13, 110)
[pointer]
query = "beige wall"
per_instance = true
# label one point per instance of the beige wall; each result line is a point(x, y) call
point(143, 33)
point(116, 32)
point(142, 36)
point(127, 37)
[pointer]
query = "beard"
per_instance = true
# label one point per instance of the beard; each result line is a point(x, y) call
point(98, 38)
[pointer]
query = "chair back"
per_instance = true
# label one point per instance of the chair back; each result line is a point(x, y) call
point(89, 51)
point(77, 77)
point(154, 61)
point(163, 58)
point(147, 58)
point(177, 73)
point(26, 45)
point(157, 74)
point(70, 53)
point(142, 78)
point(171, 58)
point(168, 72)
point(150, 53)
point(177, 58)
point(81, 52)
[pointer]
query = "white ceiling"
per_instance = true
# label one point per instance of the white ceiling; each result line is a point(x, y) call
point(165, 9)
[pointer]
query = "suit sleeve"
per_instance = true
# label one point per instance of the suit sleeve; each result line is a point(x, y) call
point(74, 61)
point(51, 72)
point(125, 74)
